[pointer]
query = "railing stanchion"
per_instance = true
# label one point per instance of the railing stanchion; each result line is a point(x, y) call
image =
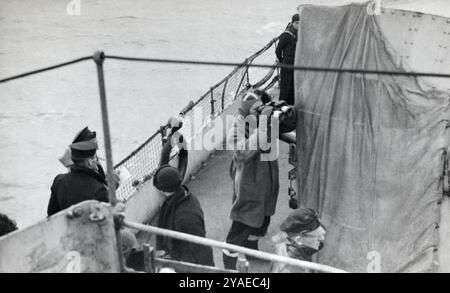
point(242, 79)
point(99, 58)
point(212, 102)
point(223, 93)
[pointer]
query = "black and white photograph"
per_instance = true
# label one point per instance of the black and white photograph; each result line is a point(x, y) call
point(244, 138)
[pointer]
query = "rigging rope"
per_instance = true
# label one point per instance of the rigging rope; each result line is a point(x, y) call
point(45, 69)
point(212, 63)
point(304, 68)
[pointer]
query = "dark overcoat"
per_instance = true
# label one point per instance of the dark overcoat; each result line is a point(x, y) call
point(285, 52)
point(182, 212)
point(78, 185)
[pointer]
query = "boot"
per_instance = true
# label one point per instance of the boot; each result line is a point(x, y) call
point(252, 244)
point(229, 260)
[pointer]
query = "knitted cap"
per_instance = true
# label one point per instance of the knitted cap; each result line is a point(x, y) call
point(167, 178)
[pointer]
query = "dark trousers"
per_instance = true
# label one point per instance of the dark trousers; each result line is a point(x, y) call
point(239, 235)
point(287, 92)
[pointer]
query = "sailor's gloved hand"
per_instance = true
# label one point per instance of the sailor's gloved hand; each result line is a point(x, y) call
point(175, 123)
point(162, 254)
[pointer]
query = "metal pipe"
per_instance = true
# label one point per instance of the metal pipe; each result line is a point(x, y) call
point(212, 102)
point(99, 58)
point(242, 79)
point(223, 94)
point(232, 247)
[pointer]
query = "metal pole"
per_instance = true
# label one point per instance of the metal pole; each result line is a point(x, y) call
point(242, 79)
point(223, 94)
point(232, 247)
point(212, 102)
point(99, 58)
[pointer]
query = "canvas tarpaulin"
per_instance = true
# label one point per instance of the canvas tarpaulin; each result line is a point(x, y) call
point(371, 147)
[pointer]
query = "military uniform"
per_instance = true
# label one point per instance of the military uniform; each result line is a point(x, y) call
point(81, 182)
point(285, 53)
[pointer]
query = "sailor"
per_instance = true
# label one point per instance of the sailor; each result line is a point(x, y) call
point(85, 180)
point(285, 53)
point(180, 211)
point(255, 181)
point(302, 236)
point(6, 225)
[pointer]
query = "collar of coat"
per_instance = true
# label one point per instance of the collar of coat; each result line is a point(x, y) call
point(85, 170)
point(291, 30)
point(178, 197)
point(300, 252)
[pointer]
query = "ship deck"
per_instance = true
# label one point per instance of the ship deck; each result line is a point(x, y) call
point(213, 187)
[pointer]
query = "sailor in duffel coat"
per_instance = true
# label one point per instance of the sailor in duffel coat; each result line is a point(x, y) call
point(255, 181)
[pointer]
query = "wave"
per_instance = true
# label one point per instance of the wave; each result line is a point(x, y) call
point(127, 17)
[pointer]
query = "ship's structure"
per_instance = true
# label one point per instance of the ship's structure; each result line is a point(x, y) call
point(370, 154)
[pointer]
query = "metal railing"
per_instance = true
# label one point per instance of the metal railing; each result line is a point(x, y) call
point(223, 245)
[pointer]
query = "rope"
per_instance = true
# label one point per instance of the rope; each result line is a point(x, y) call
point(285, 66)
point(210, 63)
point(232, 247)
point(45, 69)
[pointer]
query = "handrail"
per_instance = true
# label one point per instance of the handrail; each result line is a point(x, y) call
point(232, 247)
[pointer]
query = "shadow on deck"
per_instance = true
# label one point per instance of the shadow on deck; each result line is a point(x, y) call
point(213, 187)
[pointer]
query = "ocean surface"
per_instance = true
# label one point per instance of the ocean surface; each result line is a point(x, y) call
point(40, 114)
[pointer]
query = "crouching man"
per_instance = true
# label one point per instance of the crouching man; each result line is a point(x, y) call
point(302, 236)
point(181, 211)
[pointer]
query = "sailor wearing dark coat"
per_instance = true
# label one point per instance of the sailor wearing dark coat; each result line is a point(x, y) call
point(86, 178)
point(181, 211)
point(285, 53)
